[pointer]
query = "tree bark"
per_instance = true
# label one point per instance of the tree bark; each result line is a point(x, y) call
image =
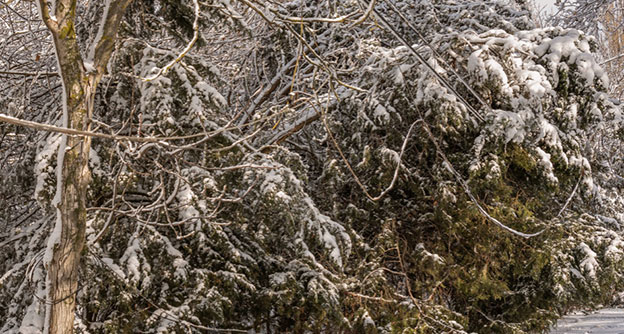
point(65, 262)
point(79, 94)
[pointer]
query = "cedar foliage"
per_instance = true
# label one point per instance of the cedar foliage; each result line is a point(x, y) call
point(240, 230)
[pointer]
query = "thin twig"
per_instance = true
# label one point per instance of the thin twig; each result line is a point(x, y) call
point(571, 195)
point(357, 179)
point(167, 67)
point(30, 74)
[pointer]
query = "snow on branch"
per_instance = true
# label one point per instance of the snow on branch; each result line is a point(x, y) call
point(103, 45)
point(357, 179)
point(30, 74)
point(430, 68)
point(166, 68)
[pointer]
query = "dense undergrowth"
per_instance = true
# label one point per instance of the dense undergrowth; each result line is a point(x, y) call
point(280, 236)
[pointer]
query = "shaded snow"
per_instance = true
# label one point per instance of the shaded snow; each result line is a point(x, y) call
point(606, 321)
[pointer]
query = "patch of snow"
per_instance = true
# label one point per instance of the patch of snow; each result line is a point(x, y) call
point(114, 267)
point(589, 265)
point(544, 161)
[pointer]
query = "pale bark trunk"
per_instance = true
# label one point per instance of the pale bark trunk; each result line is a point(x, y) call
point(75, 177)
point(64, 265)
point(80, 88)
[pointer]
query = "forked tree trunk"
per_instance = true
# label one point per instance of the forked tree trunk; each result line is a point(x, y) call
point(68, 240)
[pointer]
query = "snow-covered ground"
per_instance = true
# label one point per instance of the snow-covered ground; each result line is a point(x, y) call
point(605, 321)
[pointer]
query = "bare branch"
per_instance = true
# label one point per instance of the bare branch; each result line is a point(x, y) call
point(160, 140)
point(167, 67)
point(30, 74)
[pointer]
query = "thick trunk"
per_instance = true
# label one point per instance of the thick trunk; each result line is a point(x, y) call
point(63, 267)
point(68, 241)
point(74, 179)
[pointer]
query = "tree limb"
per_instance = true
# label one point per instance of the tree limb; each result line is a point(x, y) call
point(108, 30)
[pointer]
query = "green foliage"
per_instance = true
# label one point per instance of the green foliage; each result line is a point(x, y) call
point(255, 220)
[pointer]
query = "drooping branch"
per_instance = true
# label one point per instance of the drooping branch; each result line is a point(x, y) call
point(460, 180)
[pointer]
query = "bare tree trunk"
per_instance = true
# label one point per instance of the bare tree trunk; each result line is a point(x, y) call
point(63, 267)
point(79, 92)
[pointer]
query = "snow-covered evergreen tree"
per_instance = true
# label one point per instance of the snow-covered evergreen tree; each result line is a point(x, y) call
point(301, 168)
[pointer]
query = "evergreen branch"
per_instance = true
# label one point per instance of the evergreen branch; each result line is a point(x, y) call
point(165, 314)
point(344, 158)
point(167, 67)
point(464, 185)
point(438, 56)
point(429, 67)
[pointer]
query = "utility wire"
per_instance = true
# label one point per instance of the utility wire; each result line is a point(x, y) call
point(445, 82)
point(423, 61)
point(437, 55)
